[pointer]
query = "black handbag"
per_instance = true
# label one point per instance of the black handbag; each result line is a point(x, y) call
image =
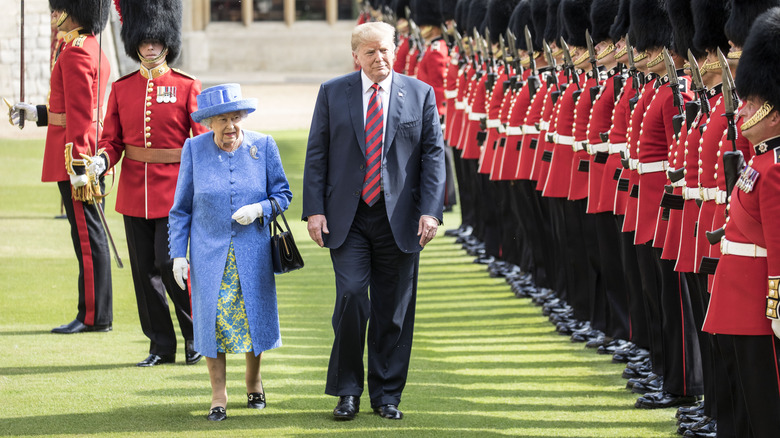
point(284, 252)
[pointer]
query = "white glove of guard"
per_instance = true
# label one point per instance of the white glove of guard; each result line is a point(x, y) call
point(97, 166)
point(78, 180)
point(180, 268)
point(776, 327)
point(248, 213)
point(30, 113)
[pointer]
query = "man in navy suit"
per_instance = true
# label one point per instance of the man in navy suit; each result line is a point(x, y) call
point(373, 193)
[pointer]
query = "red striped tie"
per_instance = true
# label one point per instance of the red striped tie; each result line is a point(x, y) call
point(373, 128)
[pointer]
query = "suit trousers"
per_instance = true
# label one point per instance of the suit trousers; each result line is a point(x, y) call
point(95, 306)
point(376, 288)
point(152, 269)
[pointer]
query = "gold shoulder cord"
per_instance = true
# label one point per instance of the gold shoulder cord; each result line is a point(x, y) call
point(759, 115)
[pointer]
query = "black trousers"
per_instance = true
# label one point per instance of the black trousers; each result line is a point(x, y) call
point(651, 294)
point(95, 305)
point(637, 313)
point(752, 364)
point(376, 282)
point(147, 243)
point(450, 197)
point(612, 275)
point(700, 299)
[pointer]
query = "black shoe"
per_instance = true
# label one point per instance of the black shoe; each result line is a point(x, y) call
point(255, 400)
point(77, 326)
point(696, 409)
point(703, 425)
point(191, 357)
point(348, 407)
point(636, 372)
point(217, 413)
point(664, 399)
point(652, 383)
point(390, 412)
point(154, 359)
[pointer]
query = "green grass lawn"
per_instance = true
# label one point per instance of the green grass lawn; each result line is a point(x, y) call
point(484, 363)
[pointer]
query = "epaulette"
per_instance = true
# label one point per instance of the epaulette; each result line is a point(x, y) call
point(777, 155)
point(79, 41)
point(183, 73)
point(126, 76)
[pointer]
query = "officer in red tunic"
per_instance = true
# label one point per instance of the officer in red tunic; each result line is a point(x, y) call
point(148, 120)
point(743, 309)
point(75, 96)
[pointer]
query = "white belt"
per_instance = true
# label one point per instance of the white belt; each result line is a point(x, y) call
point(450, 94)
point(632, 163)
point(514, 130)
point(615, 148)
point(529, 129)
point(544, 126)
point(655, 166)
point(708, 193)
point(460, 105)
point(551, 137)
point(680, 183)
point(593, 149)
point(741, 249)
point(580, 145)
point(468, 107)
point(564, 140)
point(477, 116)
point(690, 192)
point(493, 123)
point(722, 197)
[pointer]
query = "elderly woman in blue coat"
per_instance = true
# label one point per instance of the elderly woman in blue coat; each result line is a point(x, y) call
point(222, 209)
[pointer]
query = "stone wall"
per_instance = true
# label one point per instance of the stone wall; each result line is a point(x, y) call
point(37, 47)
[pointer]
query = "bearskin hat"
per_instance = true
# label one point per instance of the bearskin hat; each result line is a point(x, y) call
point(92, 15)
point(426, 12)
point(743, 14)
point(551, 29)
point(757, 73)
point(447, 9)
point(476, 16)
point(151, 20)
point(650, 26)
point(539, 18)
point(709, 19)
point(461, 16)
point(576, 18)
point(399, 8)
point(521, 17)
point(603, 14)
point(619, 28)
point(681, 18)
point(498, 14)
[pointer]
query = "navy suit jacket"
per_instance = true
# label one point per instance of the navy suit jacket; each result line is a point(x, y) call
point(412, 163)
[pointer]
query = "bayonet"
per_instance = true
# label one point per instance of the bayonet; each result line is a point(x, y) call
point(730, 100)
point(591, 51)
point(569, 64)
point(698, 84)
point(529, 45)
point(502, 49)
point(677, 98)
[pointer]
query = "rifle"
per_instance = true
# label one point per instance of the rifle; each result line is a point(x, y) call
point(674, 84)
point(594, 91)
point(533, 80)
point(553, 76)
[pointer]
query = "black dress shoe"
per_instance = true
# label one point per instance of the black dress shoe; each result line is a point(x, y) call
point(348, 407)
point(255, 400)
point(390, 412)
point(652, 383)
point(191, 357)
point(217, 413)
point(696, 409)
point(664, 399)
point(77, 326)
point(154, 359)
point(703, 425)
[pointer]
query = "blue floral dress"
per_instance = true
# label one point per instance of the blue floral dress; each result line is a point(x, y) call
point(232, 325)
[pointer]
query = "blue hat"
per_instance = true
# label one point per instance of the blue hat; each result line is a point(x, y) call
point(222, 99)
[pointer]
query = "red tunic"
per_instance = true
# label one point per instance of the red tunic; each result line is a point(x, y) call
point(544, 149)
point(451, 80)
point(561, 127)
point(494, 100)
point(433, 68)
point(74, 92)
point(399, 66)
point(505, 159)
point(136, 117)
point(676, 157)
point(471, 148)
point(610, 199)
point(526, 162)
point(738, 302)
point(600, 121)
point(578, 181)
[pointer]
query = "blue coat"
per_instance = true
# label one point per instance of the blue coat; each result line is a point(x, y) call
point(212, 185)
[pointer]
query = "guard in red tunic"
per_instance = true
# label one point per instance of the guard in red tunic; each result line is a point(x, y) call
point(743, 309)
point(147, 121)
point(78, 82)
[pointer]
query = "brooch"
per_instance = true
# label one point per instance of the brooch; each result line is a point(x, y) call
point(253, 152)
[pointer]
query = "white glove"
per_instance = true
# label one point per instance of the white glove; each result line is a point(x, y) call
point(776, 327)
point(248, 213)
point(78, 180)
point(180, 268)
point(30, 113)
point(97, 166)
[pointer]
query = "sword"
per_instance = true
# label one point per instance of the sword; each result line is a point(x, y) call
point(21, 73)
point(94, 181)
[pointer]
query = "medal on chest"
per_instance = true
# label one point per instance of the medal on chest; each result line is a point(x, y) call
point(166, 94)
point(747, 179)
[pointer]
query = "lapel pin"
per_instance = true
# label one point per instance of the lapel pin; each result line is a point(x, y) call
point(400, 94)
point(253, 152)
